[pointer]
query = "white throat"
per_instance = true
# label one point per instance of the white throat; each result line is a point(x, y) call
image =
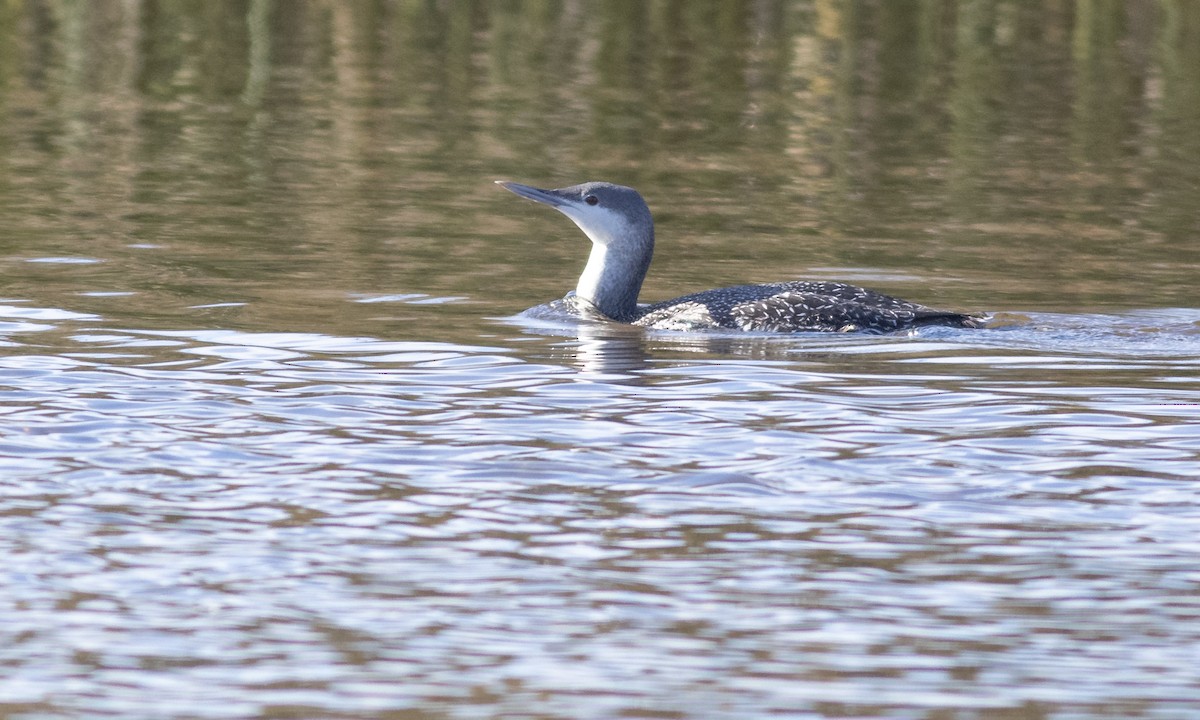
point(606, 229)
point(602, 226)
point(591, 282)
point(617, 265)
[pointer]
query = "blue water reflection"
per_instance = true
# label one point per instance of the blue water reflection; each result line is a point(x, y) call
point(350, 525)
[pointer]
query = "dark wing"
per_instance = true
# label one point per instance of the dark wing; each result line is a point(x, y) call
point(796, 307)
point(837, 307)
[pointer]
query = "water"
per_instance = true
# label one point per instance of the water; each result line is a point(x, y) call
point(278, 442)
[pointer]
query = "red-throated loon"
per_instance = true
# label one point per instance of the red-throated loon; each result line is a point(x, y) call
point(618, 222)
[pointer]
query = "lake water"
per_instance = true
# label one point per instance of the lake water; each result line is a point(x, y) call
point(276, 440)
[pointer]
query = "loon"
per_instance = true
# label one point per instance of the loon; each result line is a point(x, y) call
point(618, 222)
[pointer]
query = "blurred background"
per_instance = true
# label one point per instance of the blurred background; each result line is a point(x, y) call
point(982, 154)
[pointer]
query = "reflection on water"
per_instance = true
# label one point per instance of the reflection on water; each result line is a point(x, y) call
point(613, 524)
point(1005, 157)
point(276, 442)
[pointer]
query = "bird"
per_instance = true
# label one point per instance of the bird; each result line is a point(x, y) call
point(618, 222)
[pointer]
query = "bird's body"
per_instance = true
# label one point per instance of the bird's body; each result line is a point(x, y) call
point(793, 307)
point(619, 225)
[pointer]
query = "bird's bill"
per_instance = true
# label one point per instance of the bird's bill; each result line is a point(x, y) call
point(547, 197)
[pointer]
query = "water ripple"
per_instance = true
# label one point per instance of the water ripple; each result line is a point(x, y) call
point(254, 522)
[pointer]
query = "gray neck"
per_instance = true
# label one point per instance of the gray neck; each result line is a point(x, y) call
point(614, 273)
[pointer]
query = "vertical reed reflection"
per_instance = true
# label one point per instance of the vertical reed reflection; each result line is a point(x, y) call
point(946, 126)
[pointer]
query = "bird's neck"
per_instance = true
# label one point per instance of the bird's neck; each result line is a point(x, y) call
point(612, 278)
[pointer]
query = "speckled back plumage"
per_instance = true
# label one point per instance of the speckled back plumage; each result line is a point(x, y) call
point(617, 221)
point(795, 307)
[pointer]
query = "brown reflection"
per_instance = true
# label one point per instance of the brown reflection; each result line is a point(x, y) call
point(1175, 98)
point(291, 155)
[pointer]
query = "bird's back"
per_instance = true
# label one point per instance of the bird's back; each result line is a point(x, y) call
point(796, 306)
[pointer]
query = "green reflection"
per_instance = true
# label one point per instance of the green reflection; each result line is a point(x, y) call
point(1030, 154)
point(1175, 173)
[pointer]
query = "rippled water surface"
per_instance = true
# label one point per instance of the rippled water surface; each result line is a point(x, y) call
point(277, 441)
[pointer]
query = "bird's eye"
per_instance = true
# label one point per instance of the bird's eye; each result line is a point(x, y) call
point(591, 200)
